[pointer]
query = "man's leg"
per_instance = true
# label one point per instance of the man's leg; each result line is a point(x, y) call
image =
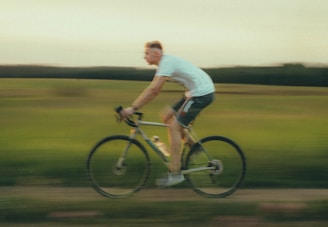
point(175, 135)
point(187, 138)
point(187, 110)
point(175, 138)
point(167, 115)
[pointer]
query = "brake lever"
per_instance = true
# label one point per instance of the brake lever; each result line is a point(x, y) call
point(128, 120)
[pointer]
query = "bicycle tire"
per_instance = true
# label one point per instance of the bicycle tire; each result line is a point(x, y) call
point(102, 166)
point(229, 162)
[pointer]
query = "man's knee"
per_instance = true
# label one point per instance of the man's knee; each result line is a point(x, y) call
point(174, 125)
point(167, 115)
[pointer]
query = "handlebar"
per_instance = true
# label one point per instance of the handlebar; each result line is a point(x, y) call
point(128, 120)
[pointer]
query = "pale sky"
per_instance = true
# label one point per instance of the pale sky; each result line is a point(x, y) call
point(209, 33)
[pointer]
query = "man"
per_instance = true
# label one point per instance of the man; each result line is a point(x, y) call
point(199, 94)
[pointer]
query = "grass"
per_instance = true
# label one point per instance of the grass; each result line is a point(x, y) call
point(66, 209)
point(48, 127)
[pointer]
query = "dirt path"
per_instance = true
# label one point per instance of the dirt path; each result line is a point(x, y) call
point(172, 194)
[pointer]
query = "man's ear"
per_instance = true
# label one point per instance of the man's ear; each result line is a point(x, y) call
point(157, 52)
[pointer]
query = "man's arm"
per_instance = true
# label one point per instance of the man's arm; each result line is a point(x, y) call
point(147, 95)
point(150, 92)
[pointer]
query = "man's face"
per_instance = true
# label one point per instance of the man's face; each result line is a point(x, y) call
point(151, 56)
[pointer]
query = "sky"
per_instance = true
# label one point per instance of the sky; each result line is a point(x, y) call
point(209, 33)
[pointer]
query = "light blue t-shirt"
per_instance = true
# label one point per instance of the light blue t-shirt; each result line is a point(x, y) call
point(195, 80)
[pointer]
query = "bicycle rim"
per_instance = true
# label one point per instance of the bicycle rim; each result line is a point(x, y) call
point(112, 176)
point(228, 163)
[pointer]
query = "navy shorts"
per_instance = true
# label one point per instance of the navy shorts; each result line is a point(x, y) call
point(187, 109)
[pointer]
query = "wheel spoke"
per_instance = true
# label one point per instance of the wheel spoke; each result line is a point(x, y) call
point(228, 166)
point(116, 172)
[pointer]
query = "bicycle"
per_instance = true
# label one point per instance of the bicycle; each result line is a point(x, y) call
point(119, 165)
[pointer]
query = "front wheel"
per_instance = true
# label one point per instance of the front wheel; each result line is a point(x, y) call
point(118, 166)
point(219, 165)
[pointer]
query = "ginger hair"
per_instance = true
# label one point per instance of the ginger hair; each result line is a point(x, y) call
point(154, 44)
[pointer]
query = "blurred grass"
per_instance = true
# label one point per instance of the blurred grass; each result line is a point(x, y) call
point(48, 127)
point(121, 211)
point(66, 210)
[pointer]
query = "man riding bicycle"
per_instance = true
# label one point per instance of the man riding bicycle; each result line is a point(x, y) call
point(199, 93)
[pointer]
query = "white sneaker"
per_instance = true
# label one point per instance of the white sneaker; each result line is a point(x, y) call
point(171, 179)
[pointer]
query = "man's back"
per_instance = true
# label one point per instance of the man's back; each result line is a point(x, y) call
point(194, 79)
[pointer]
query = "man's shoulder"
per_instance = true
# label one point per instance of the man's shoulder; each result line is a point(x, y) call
point(167, 60)
point(167, 57)
point(172, 60)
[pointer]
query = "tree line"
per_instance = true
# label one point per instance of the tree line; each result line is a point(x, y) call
point(286, 74)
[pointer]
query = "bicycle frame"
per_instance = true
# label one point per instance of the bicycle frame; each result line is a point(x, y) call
point(137, 130)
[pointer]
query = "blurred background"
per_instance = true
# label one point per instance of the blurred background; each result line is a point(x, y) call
point(65, 65)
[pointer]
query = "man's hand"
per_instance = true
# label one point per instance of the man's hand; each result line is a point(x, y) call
point(127, 112)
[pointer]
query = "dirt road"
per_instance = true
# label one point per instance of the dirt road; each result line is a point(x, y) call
point(254, 195)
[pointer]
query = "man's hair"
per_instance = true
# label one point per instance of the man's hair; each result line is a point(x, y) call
point(154, 44)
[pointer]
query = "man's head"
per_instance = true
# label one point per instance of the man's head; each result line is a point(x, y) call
point(153, 52)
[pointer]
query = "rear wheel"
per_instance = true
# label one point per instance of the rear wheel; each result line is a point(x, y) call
point(118, 166)
point(227, 163)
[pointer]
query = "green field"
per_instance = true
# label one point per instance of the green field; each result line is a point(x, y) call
point(48, 127)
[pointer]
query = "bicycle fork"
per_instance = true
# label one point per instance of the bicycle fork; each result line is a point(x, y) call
point(121, 166)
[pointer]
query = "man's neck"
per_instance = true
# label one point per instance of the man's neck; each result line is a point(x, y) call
point(159, 60)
